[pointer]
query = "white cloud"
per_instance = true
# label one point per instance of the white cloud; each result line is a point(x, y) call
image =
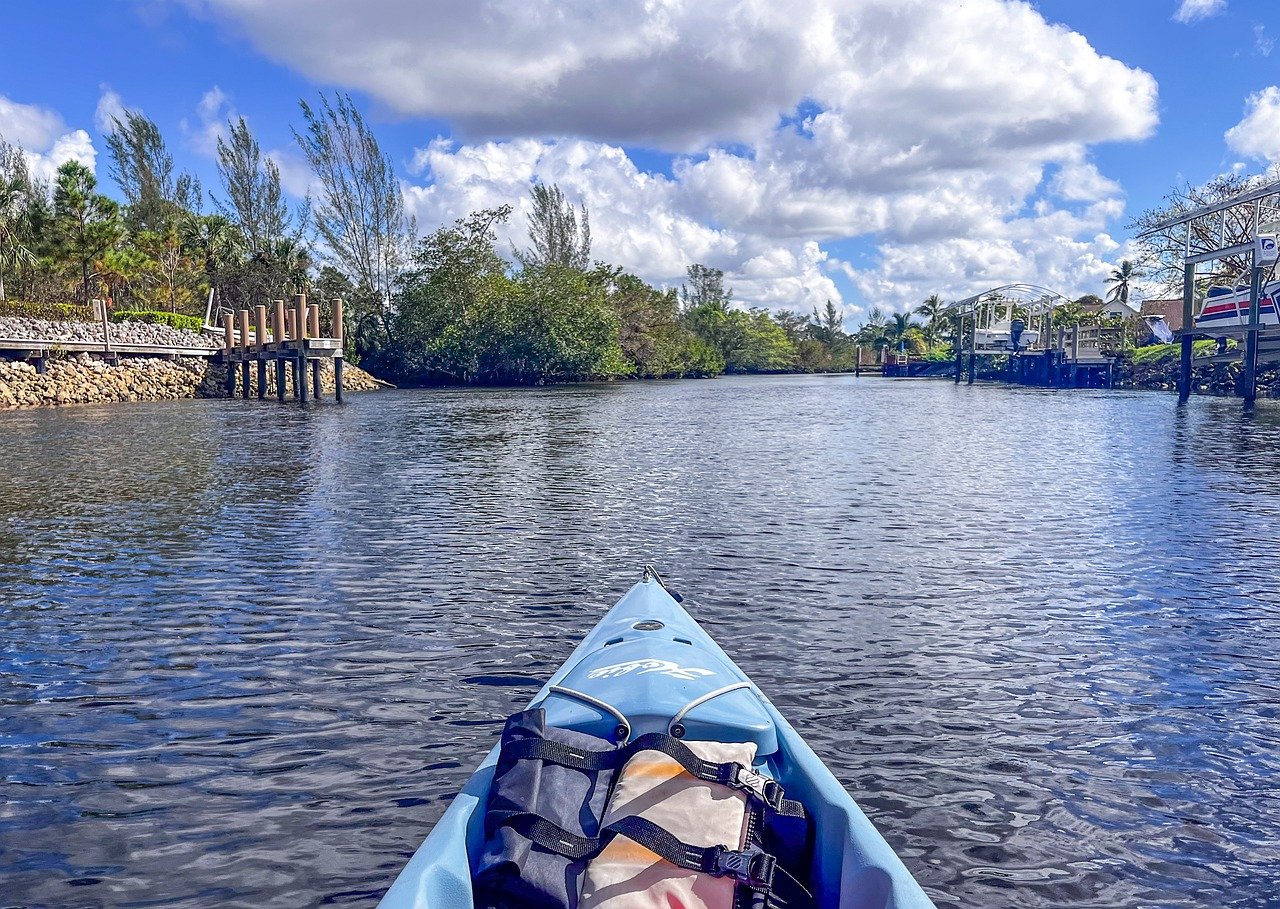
point(212, 114)
point(1258, 134)
point(110, 108)
point(928, 125)
point(28, 125)
point(46, 141)
point(1194, 10)
point(1263, 43)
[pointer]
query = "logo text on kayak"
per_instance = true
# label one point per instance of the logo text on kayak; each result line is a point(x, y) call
point(643, 667)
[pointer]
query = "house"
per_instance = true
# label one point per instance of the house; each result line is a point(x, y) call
point(1110, 309)
point(1170, 310)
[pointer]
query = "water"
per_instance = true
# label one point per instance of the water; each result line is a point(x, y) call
point(249, 652)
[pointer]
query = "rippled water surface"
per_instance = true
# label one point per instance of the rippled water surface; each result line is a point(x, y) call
point(248, 652)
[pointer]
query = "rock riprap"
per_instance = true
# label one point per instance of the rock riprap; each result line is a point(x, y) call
point(83, 379)
point(22, 329)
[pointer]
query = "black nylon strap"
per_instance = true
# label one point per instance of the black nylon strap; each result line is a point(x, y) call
point(751, 867)
point(732, 774)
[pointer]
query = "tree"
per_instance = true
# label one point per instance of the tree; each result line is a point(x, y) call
point(705, 286)
point(359, 211)
point(251, 184)
point(14, 192)
point(556, 234)
point(117, 268)
point(216, 243)
point(875, 330)
point(931, 310)
point(1162, 252)
point(143, 169)
point(1120, 280)
point(897, 330)
point(169, 262)
point(85, 223)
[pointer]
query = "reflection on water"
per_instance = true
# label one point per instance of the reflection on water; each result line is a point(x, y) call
point(249, 652)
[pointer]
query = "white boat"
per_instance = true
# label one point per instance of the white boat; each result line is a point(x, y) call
point(1226, 309)
point(1000, 337)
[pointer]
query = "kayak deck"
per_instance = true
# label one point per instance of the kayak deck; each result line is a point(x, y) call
point(649, 667)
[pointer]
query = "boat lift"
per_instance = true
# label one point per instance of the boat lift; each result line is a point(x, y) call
point(1203, 235)
point(1016, 320)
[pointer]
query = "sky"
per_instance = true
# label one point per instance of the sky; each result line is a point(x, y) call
point(869, 152)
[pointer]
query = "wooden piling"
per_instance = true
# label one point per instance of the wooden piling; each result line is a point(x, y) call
point(1249, 370)
point(313, 320)
point(229, 336)
point(337, 318)
point(260, 344)
point(290, 324)
point(337, 377)
point(973, 348)
point(1188, 318)
point(315, 379)
point(959, 344)
point(280, 380)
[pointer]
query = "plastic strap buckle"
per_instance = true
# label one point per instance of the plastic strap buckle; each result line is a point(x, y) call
point(751, 866)
point(747, 780)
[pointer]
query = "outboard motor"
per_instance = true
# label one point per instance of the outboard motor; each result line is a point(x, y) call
point(1016, 328)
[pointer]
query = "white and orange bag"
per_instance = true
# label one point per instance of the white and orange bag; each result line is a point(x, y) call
point(651, 785)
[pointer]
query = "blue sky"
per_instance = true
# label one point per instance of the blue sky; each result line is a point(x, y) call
point(863, 150)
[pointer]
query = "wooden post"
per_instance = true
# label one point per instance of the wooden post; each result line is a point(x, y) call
point(337, 318)
point(315, 378)
point(1249, 374)
point(280, 379)
point(260, 344)
point(973, 349)
point(242, 317)
point(313, 320)
point(281, 329)
point(290, 324)
point(300, 306)
point(857, 362)
point(958, 340)
point(337, 377)
point(1075, 343)
point(1184, 361)
point(229, 334)
point(300, 376)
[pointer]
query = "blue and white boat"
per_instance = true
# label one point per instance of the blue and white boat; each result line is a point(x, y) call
point(1226, 309)
point(647, 666)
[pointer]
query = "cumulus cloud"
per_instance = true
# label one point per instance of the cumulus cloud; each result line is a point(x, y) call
point(933, 127)
point(1193, 10)
point(1258, 134)
point(46, 141)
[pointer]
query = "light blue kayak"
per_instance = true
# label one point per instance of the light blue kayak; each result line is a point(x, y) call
point(648, 667)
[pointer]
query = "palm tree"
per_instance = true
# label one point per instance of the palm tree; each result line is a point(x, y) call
point(1121, 278)
point(292, 262)
point(931, 309)
point(217, 242)
point(13, 206)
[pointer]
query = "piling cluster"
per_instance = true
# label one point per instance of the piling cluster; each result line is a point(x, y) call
point(288, 340)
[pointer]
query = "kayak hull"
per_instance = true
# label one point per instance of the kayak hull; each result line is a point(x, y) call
point(649, 660)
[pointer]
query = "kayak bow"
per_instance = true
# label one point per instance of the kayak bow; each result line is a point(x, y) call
point(649, 667)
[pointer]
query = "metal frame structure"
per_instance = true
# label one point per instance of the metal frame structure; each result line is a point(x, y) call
point(1255, 204)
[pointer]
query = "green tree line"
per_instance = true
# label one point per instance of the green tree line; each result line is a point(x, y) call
point(445, 307)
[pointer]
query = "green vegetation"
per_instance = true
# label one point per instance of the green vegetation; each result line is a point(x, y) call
point(447, 308)
point(53, 312)
point(155, 317)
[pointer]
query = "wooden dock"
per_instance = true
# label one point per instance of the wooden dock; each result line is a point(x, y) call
point(288, 338)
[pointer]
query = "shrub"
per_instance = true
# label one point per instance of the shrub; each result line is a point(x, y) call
point(153, 317)
point(54, 312)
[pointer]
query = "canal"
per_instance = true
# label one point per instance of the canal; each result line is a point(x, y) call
point(249, 652)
